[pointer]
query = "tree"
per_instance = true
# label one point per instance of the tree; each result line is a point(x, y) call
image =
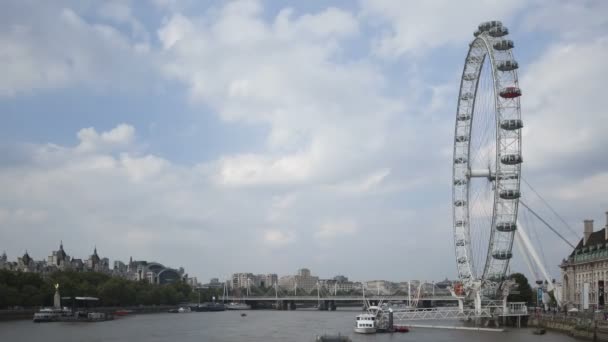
point(525, 293)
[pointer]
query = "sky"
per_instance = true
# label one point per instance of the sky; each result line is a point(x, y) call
point(266, 136)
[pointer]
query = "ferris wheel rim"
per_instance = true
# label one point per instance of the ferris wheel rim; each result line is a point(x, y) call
point(505, 202)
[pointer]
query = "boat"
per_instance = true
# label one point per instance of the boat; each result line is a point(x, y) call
point(51, 315)
point(333, 338)
point(238, 306)
point(184, 309)
point(205, 307)
point(243, 315)
point(365, 323)
point(401, 328)
point(122, 312)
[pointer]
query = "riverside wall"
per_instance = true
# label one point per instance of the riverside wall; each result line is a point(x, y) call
point(28, 313)
point(589, 328)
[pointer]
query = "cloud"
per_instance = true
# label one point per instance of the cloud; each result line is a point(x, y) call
point(120, 136)
point(48, 47)
point(414, 28)
point(336, 228)
point(278, 238)
point(322, 115)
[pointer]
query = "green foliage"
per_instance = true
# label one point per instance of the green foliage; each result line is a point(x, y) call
point(525, 293)
point(31, 289)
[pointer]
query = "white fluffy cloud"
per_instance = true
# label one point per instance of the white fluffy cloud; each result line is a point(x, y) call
point(46, 47)
point(416, 27)
point(322, 114)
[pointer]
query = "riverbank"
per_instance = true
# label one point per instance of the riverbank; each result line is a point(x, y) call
point(579, 327)
point(28, 313)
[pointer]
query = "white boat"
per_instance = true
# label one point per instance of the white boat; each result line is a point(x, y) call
point(51, 314)
point(238, 306)
point(184, 309)
point(365, 323)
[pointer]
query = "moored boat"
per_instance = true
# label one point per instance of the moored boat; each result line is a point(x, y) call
point(365, 324)
point(238, 306)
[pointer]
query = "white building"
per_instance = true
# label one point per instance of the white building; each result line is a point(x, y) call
point(585, 271)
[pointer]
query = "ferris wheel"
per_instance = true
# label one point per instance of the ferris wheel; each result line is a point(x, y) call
point(487, 160)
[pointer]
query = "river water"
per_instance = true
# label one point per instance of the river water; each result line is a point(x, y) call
point(257, 326)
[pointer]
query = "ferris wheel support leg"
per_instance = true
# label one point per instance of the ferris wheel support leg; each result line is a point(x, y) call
point(523, 236)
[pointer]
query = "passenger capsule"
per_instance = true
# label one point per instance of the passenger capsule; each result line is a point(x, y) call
point(499, 31)
point(459, 223)
point(462, 138)
point(460, 243)
point(460, 182)
point(462, 260)
point(460, 203)
point(503, 45)
point(506, 226)
point(509, 194)
point(510, 92)
point(460, 160)
point(502, 255)
point(476, 33)
point(507, 65)
point(511, 125)
point(511, 159)
point(463, 117)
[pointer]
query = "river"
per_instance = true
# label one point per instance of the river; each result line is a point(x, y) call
point(257, 326)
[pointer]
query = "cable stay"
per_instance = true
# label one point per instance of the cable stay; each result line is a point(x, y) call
point(552, 210)
point(546, 224)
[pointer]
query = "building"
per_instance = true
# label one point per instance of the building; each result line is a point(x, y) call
point(242, 280)
point(97, 264)
point(154, 272)
point(59, 259)
point(303, 280)
point(214, 283)
point(380, 287)
point(585, 271)
point(3, 261)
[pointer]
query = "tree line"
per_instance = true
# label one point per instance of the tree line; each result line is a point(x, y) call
point(20, 289)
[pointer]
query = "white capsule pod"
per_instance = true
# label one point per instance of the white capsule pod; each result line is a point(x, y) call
point(506, 226)
point(502, 255)
point(499, 31)
point(460, 160)
point(503, 45)
point(460, 243)
point(511, 159)
point(510, 194)
point(507, 65)
point(511, 125)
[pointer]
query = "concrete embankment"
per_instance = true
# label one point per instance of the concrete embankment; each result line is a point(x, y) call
point(579, 327)
point(28, 313)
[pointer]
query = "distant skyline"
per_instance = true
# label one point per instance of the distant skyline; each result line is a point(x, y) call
point(258, 136)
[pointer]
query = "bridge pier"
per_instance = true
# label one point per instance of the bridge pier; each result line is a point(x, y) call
point(322, 305)
point(332, 305)
point(292, 305)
